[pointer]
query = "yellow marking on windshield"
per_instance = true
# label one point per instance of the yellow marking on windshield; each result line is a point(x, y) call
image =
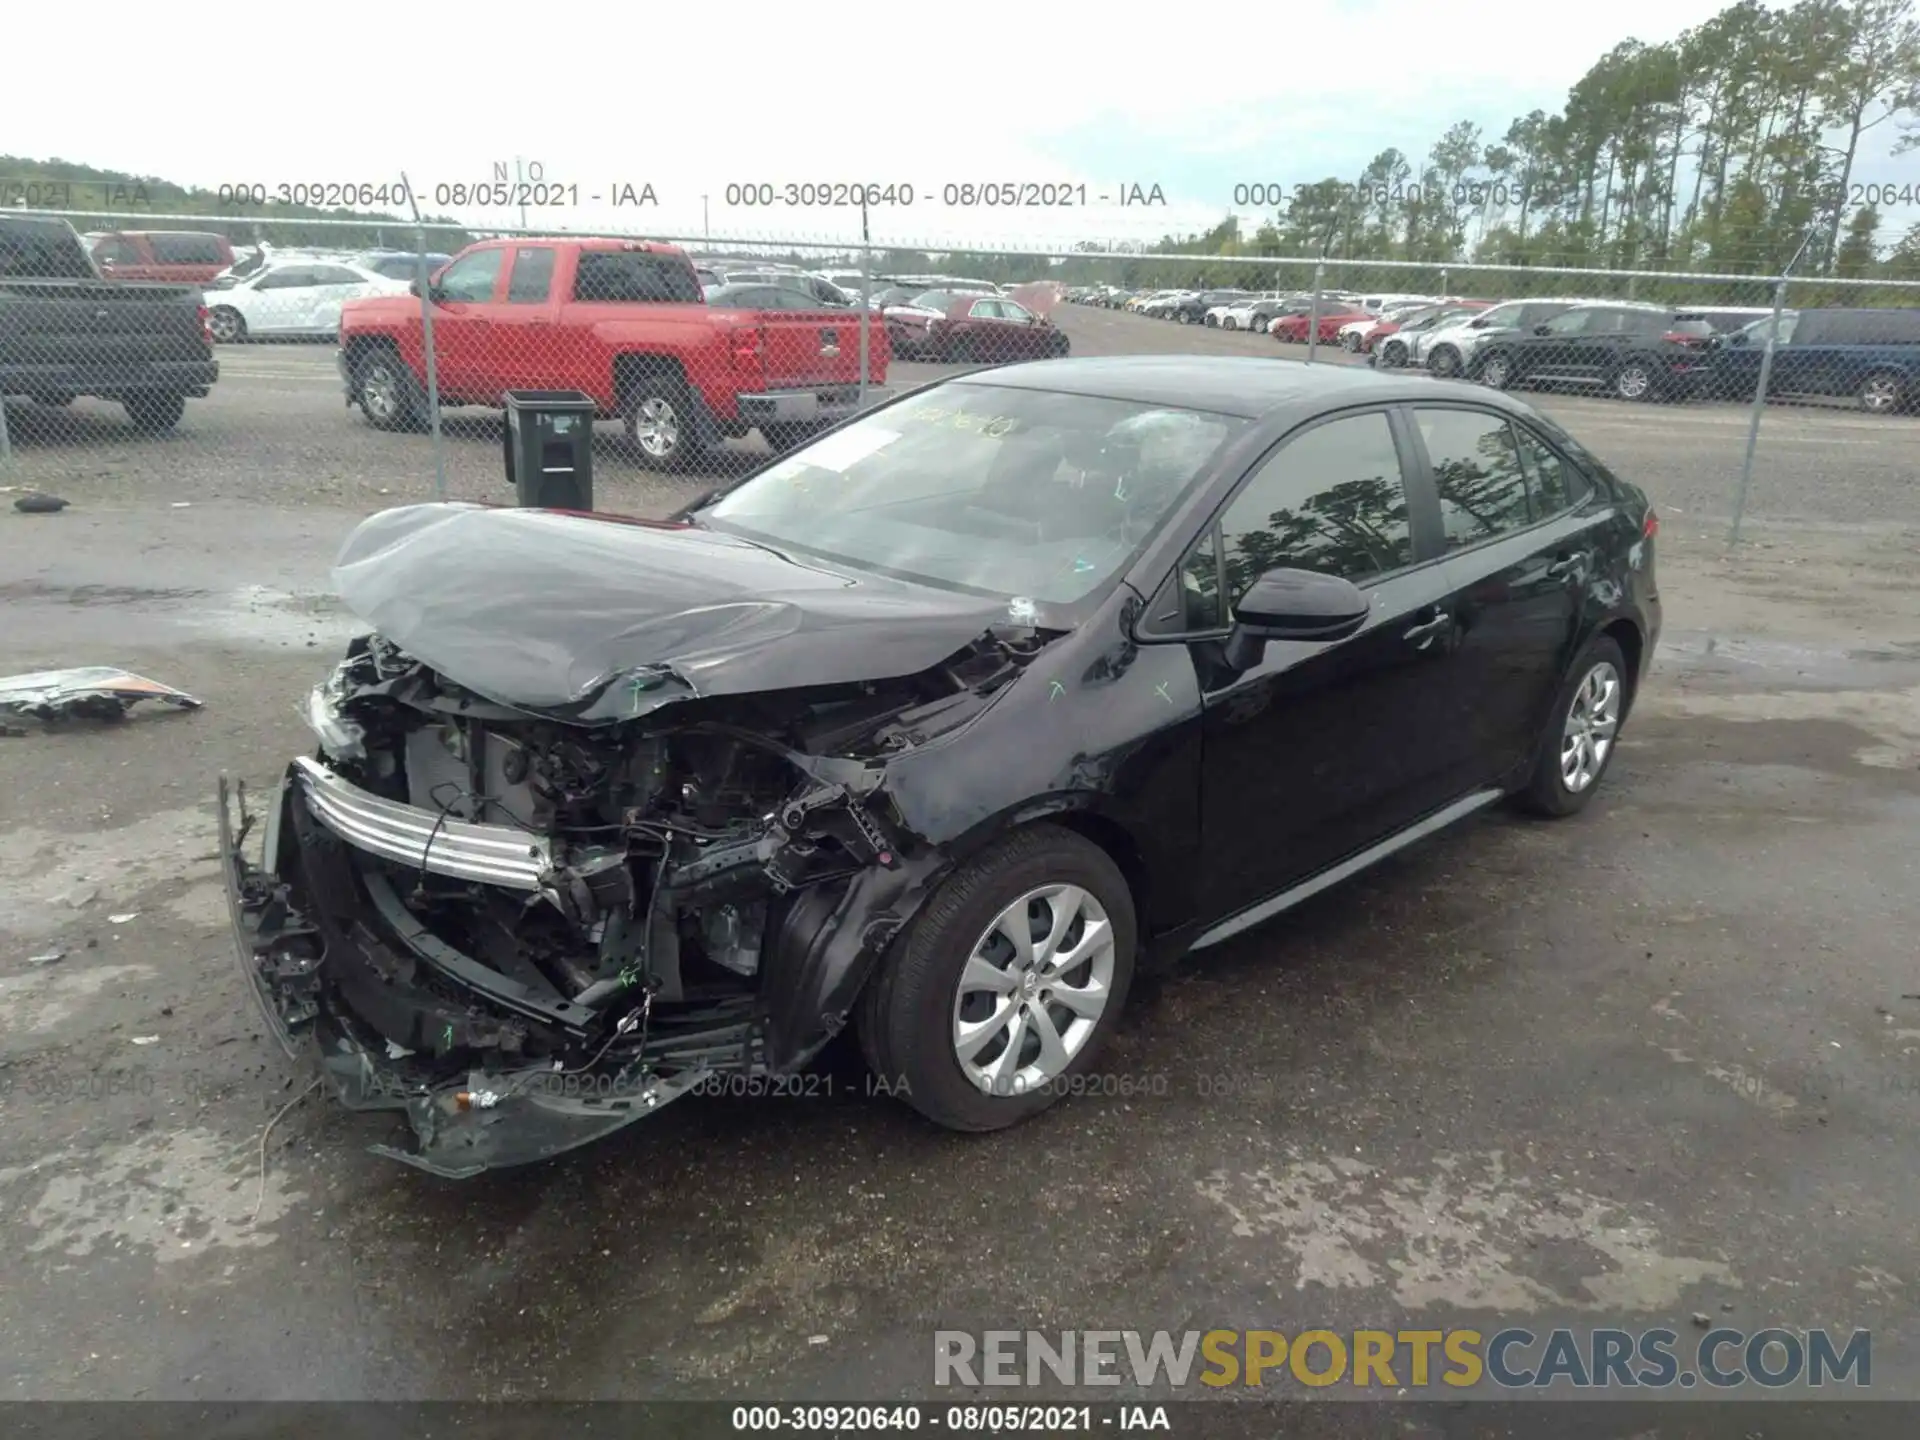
point(992, 426)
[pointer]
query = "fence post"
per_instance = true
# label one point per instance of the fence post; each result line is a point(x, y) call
point(6, 440)
point(866, 291)
point(1758, 408)
point(426, 340)
point(1313, 314)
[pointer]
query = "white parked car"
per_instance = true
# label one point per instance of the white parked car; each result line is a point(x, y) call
point(1446, 349)
point(291, 298)
point(1355, 333)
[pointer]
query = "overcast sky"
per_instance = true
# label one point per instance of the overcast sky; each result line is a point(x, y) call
point(604, 95)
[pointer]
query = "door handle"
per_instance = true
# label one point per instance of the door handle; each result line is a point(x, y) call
point(1422, 635)
point(1565, 566)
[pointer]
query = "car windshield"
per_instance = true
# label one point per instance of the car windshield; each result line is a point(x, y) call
point(1038, 497)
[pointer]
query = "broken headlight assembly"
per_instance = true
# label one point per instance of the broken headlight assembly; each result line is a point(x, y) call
point(339, 737)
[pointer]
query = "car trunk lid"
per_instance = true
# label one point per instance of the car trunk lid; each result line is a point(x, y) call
point(803, 348)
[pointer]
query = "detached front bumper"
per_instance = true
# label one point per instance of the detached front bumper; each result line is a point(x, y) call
point(336, 984)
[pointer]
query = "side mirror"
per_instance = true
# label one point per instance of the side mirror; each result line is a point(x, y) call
point(1479, 324)
point(1542, 330)
point(1739, 337)
point(1290, 604)
point(413, 287)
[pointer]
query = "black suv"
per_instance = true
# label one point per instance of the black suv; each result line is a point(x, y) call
point(1637, 352)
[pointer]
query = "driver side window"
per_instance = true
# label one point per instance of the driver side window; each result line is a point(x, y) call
point(1331, 500)
point(472, 277)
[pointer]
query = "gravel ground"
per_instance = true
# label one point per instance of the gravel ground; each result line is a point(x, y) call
point(1658, 1061)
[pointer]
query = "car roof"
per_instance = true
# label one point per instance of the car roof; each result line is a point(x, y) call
point(1249, 386)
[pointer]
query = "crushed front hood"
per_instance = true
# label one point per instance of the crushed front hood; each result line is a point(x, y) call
point(598, 620)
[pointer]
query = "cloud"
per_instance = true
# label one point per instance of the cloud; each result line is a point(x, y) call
point(604, 96)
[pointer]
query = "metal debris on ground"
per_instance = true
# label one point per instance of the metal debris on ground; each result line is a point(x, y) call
point(51, 957)
point(38, 504)
point(123, 919)
point(146, 1039)
point(93, 692)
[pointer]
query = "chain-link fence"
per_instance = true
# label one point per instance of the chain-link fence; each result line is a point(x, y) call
point(378, 367)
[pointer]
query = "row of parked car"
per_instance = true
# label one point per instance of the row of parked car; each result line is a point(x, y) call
point(936, 318)
point(1634, 351)
point(1658, 352)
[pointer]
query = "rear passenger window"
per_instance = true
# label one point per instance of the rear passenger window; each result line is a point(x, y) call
point(1330, 500)
point(532, 277)
point(1476, 470)
point(1555, 484)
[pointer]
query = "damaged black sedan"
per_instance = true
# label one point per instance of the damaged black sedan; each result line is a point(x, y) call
point(937, 727)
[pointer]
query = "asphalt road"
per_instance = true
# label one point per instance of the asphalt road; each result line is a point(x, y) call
point(276, 429)
point(1659, 1061)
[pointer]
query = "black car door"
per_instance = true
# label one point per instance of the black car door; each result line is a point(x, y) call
point(1554, 352)
point(1320, 748)
point(1520, 549)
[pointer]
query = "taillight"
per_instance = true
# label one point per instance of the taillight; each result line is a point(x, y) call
point(206, 325)
point(1650, 527)
point(1676, 337)
point(746, 346)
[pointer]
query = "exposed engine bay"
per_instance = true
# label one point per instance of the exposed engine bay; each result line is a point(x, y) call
point(527, 931)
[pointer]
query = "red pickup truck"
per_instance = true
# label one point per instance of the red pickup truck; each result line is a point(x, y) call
point(623, 321)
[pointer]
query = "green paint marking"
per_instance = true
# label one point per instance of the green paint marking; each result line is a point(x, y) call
point(446, 1038)
point(1161, 691)
point(1058, 691)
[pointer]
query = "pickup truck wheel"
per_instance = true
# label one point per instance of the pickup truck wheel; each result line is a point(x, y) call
point(385, 388)
point(1007, 984)
point(226, 325)
point(1880, 393)
point(155, 413)
point(660, 423)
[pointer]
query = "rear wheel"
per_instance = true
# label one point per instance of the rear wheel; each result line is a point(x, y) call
point(1444, 361)
point(1229, 323)
point(1394, 355)
point(226, 325)
point(1634, 381)
point(782, 438)
point(1351, 342)
point(385, 388)
point(1881, 392)
point(155, 413)
point(1007, 984)
point(1497, 372)
point(660, 423)
point(1581, 735)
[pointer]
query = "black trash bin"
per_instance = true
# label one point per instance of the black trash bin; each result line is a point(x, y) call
point(549, 448)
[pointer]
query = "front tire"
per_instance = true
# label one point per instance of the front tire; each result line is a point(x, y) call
point(1582, 734)
point(1008, 983)
point(1497, 372)
point(1444, 362)
point(1394, 355)
point(155, 414)
point(660, 427)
